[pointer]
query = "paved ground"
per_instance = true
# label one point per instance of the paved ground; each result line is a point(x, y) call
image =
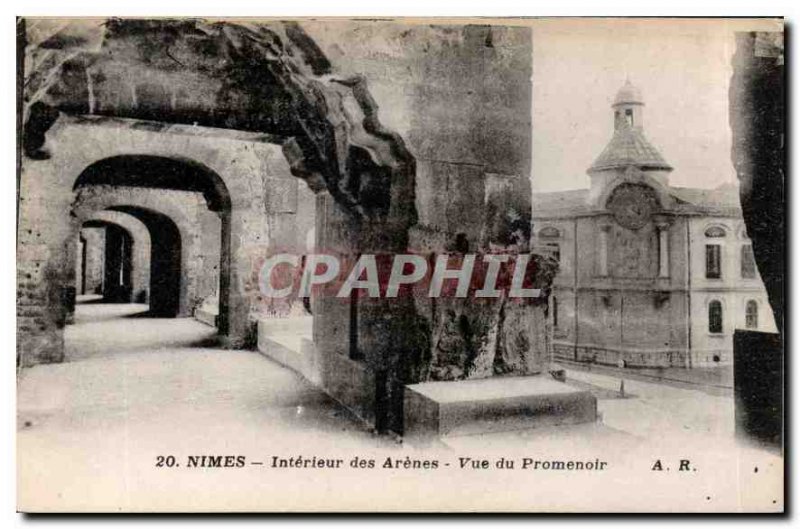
point(133, 389)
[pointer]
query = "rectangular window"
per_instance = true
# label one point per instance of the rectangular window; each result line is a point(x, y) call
point(554, 249)
point(751, 315)
point(748, 262)
point(713, 261)
point(555, 312)
point(715, 317)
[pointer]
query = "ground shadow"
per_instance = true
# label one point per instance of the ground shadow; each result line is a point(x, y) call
point(149, 313)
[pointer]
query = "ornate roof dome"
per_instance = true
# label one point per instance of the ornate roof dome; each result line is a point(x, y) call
point(628, 94)
point(627, 147)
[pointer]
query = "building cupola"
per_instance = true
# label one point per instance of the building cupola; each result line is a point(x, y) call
point(628, 107)
point(628, 150)
point(628, 146)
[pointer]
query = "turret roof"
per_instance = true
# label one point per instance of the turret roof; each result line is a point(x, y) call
point(629, 147)
point(629, 94)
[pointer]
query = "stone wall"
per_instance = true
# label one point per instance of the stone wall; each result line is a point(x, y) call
point(291, 217)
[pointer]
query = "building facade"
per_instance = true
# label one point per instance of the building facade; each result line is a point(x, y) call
point(650, 275)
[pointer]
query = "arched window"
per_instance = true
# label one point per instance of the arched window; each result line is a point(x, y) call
point(751, 314)
point(549, 233)
point(629, 116)
point(748, 263)
point(715, 232)
point(715, 317)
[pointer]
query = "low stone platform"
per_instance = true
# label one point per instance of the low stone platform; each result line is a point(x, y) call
point(288, 342)
point(496, 404)
point(207, 314)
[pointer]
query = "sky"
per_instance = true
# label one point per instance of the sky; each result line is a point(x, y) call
point(683, 69)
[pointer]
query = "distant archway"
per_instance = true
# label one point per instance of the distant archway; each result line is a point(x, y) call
point(117, 261)
point(165, 260)
point(140, 280)
point(172, 173)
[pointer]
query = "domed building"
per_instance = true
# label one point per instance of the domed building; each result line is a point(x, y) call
point(650, 275)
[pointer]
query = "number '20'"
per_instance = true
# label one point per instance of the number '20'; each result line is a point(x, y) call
point(165, 461)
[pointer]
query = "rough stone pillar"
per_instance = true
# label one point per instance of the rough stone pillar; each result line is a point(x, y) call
point(47, 238)
point(757, 111)
point(210, 241)
point(245, 239)
point(758, 153)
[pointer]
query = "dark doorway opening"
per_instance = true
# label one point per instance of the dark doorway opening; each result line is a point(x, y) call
point(117, 285)
point(82, 281)
point(165, 260)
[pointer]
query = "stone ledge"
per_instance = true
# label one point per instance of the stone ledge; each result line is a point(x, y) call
point(287, 357)
point(206, 315)
point(496, 404)
point(287, 342)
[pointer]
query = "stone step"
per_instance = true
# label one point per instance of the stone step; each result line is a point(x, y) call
point(288, 342)
point(206, 315)
point(495, 404)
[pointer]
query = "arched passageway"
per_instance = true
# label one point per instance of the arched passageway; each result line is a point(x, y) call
point(134, 245)
point(117, 278)
point(326, 128)
point(89, 248)
point(165, 260)
point(180, 225)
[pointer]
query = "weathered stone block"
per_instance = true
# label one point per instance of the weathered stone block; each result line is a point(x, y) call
point(497, 404)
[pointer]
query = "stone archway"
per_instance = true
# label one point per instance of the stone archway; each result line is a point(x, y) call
point(159, 211)
point(140, 280)
point(266, 79)
point(117, 261)
point(177, 174)
point(165, 261)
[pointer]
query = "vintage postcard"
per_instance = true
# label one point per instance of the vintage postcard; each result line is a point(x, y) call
point(400, 265)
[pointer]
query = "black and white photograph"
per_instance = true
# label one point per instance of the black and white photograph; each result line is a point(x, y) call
point(400, 265)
